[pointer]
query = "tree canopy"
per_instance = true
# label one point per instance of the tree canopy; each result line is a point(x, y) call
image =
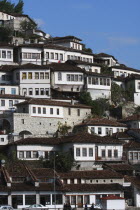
point(8, 7)
point(5, 34)
point(63, 161)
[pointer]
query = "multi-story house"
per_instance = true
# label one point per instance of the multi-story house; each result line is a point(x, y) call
point(67, 41)
point(105, 59)
point(98, 85)
point(123, 71)
point(46, 114)
point(33, 80)
point(101, 126)
point(66, 80)
point(132, 152)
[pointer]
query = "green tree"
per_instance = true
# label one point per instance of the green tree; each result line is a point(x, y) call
point(63, 128)
point(85, 98)
point(85, 49)
point(27, 26)
point(19, 7)
point(5, 34)
point(117, 93)
point(8, 7)
point(106, 70)
point(63, 161)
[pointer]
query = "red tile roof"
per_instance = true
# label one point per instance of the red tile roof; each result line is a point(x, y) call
point(131, 118)
point(94, 174)
point(78, 138)
point(102, 122)
point(132, 145)
point(49, 102)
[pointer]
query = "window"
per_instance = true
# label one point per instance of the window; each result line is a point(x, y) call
point(30, 91)
point(28, 154)
point(57, 111)
point(89, 80)
point(3, 54)
point(90, 152)
point(76, 78)
point(42, 91)
point(51, 110)
point(41, 75)
point(36, 75)
point(2, 102)
point(22, 121)
point(101, 81)
point(57, 199)
point(59, 76)
point(92, 130)
point(69, 111)
point(73, 200)
point(46, 75)
point(72, 77)
point(115, 153)
point(24, 75)
point(99, 130)
point(138, 85)
point(2, 139)
point(29, 75)
point(78, 112)
point(52, 55)
point(47, 91)
point(34, 110)
point(131, 155)
point(47, 55)
point(68, 77)
point(109, 153)
point(103, 152)
point(77, 152)
point(108, 82)
point(21, 154)
point(135, 155)
point(35, 154)
point(107, 131)
point(61, 57)
point(13, 91)
point(80, 77)
point(3, 77)
point(68, 57)
point(36, 91)
point(39, 110)
point(56, 56)
point(44, 110)
point(10, 103)
point(84, 152)
point(16, 101)
point(9, 54)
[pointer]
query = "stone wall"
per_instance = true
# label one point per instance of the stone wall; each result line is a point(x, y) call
point(44, 125)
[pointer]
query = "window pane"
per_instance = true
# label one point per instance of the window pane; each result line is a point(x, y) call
point(78, 152)
point(84, 152)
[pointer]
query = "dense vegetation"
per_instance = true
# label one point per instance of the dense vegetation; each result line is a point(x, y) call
point(8, 7)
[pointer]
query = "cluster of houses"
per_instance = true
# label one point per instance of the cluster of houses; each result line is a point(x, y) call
point(40, 83)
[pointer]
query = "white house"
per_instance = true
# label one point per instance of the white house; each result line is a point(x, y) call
point(33, 80)
point(123, 71)
point(67, 41)
point(46, 115)
point(66, 80)
point(101, 126)
point(105, 59)
point(98, 85)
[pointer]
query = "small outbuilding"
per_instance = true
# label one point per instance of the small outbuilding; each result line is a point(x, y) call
point(113, 203)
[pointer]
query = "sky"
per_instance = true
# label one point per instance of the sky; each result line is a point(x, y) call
point(109, 26)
